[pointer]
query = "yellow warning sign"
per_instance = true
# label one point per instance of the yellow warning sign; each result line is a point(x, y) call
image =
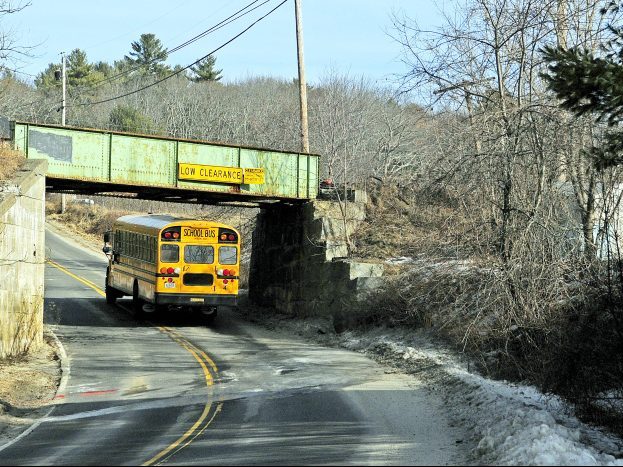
point(254, 176)
point(209, 173)
point(219, 174)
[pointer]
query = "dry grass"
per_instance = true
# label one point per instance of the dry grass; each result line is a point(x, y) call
point(90, 221)
point(29, 380)
point(546, 316)
point(10, 161)
point(406, 223)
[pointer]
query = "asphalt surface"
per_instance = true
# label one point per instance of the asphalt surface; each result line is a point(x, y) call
point(169, 389)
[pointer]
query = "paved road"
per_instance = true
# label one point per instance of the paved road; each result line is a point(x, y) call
point(176, 391)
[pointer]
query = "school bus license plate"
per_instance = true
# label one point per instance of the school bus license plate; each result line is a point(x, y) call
point(196, 234)
point(199, 300)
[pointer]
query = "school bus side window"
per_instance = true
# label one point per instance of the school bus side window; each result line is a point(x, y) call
point(142, 247)
point(150, 250)
point(119, 240)
point(227, 255)
point(169, 253)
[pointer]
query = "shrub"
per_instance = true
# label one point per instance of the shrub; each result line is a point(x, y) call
point(10, 161)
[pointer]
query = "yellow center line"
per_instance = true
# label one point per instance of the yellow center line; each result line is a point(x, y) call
point(216, 412)
point(197, 353)
point(204, 414)
point(86, 282)
point(205, 357)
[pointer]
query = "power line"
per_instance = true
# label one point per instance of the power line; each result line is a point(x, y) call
point(107, 41)
point(43, 99)
point(81, 90)
point(186, 67)
point(234, 17)
point(13, 70)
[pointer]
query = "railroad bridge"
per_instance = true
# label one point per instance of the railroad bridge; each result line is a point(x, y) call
point(299, 254)
point(89, 161)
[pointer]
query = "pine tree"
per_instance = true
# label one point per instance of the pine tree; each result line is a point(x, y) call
point(204, 70)
point(148, 54)
point(587, 83)
point(126, 118)
point(80, 73)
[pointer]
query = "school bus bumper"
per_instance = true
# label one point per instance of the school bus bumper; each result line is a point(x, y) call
point(196, 300)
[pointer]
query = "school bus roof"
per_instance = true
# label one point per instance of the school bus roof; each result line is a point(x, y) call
point(150, 223)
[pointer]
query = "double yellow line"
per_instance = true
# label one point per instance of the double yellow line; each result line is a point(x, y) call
point(210, 371)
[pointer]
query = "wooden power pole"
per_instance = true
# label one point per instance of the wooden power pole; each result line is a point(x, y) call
point(302, 83)
point(63, 106)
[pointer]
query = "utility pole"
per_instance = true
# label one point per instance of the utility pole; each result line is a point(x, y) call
point(302, 83)
point(64, 79)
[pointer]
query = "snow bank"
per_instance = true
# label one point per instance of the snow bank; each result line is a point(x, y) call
point(512, 424)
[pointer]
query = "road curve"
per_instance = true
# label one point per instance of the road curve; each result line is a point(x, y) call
point(175, 391)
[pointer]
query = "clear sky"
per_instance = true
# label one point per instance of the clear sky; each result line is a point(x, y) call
point(348, 36)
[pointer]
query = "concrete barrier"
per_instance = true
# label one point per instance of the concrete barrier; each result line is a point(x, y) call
point(22, 257)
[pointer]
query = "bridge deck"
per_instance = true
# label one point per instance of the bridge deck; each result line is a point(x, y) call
point(93, 161)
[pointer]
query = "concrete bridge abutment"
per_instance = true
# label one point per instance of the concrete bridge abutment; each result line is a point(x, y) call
point(22, 257)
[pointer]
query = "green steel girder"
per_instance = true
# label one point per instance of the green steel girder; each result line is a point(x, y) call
point(108, 161)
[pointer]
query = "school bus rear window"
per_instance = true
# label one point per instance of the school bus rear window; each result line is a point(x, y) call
point(227, 255)
point(199, 254)
point(169, 253)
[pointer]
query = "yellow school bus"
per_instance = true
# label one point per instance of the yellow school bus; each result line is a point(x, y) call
point(171, 263)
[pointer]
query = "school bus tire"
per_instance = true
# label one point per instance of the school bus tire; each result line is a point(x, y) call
point(137, 303)
point(210, 318)
point(112, 294)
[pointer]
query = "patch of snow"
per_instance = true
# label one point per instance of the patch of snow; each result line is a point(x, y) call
point(400, 260)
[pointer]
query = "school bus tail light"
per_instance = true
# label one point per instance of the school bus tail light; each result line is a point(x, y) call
point(227, 235)
point(170, 270)
point(172, 234)
point(226, 274)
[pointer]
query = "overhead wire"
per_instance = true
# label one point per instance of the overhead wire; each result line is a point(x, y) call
point(155, 83)
point(13, 70)
point(26, 104)
point(107, 41)
point(111, 39)
point(234, 17)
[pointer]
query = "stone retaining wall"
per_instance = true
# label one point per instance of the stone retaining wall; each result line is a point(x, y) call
point(22, 256)
point(299, 263)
